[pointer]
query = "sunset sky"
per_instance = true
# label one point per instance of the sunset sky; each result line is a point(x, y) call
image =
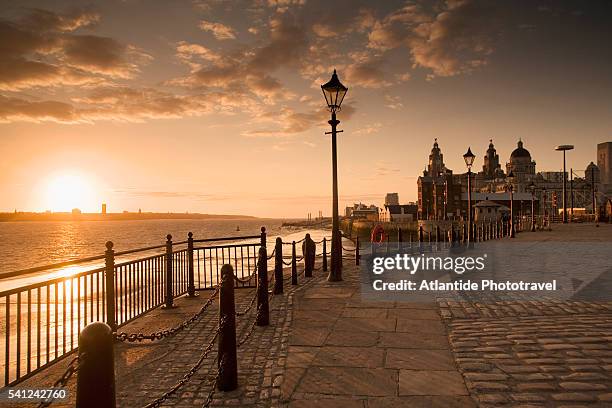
point(215, 106)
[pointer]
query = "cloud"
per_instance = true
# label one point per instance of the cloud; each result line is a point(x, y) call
point(369, 129)
point(220, 31)
point(289, 121)
point(393, 102)
point(102, 55)
point(456, 39)
point(40, 49)
point(13, 109)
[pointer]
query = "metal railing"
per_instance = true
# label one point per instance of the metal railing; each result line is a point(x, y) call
point(42, 320)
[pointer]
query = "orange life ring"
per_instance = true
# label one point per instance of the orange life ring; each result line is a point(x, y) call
point(378, 234)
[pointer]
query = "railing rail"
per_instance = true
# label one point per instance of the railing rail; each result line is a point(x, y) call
point(42, 320)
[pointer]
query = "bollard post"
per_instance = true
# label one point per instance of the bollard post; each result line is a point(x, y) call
point(294, 276)
point(169, 301)
point(420, 238)
point(325, 254)
point(400, 239)
point(190, 275)
point(96, 372)
point(263, 236)
point(309, 251)
point(227, 361)
point(357, 256)
point(278, 267)
point(438, 244)
point(109, 274)
point(263, 308)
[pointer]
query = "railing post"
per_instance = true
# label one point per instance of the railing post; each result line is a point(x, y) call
point(169, 302)
point(109, 274)
point(278, 266)
point(190, 275)
point(263, 308)
point(438, 245)
point(357, 256)
point(294, 276)
point(96, 367)
point(325, 254)
point(227, 361)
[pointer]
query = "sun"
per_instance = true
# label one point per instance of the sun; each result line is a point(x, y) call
point(67, 190)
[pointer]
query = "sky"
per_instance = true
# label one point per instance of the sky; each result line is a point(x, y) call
point(215, 106)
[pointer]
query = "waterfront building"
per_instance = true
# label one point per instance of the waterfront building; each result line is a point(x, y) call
point(604, 163)
point(392, 199)
point(362, 211)
point(398, 213)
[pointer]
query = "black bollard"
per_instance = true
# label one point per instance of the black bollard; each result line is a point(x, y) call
point(399, 239)
point(357, 256)
point(169, 301)
point(309, 250)
point(190, 277)
point(325, 254)
point(96, 372)
point(263, 308)
point(227, 362)
point(278, 267)
point(420, 238)
point(438, 243)
point(294, 276)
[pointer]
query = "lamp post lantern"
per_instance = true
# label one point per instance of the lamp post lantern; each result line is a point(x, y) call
point(511, 189)
point(532, 188)
point(469, 161)
point(334, 93)
point(564, 148)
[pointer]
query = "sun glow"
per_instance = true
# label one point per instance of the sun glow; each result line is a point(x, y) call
point(66, 191)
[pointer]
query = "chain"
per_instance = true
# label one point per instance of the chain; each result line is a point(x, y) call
point(211, 393)
point(61, 382)
point(168, 332)
point(157, 402)
point(349, 250)
point(252, 328)
point(272, 254)
point(248, 308)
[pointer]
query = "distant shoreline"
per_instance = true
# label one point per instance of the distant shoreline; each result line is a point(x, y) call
point(28, 216)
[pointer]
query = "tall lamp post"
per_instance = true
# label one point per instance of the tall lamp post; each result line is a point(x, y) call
point(469, 160)
point(334, 93)
point(532, 188)
point(511, 189)
point(564, 148)
point(594, 199)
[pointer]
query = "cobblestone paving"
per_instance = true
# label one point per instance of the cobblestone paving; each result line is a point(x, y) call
point(530, 353)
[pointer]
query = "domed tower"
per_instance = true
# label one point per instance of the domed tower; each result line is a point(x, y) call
point(521, 164)
point(592, 173)
point(491, 168)
point(436, 166)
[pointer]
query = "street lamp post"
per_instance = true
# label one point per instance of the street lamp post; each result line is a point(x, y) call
point(511, 189)
point(469, 161)
point(532, 188)
point(564, 148)
point(334, 93)
point(594, 199)
point(445, 198)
